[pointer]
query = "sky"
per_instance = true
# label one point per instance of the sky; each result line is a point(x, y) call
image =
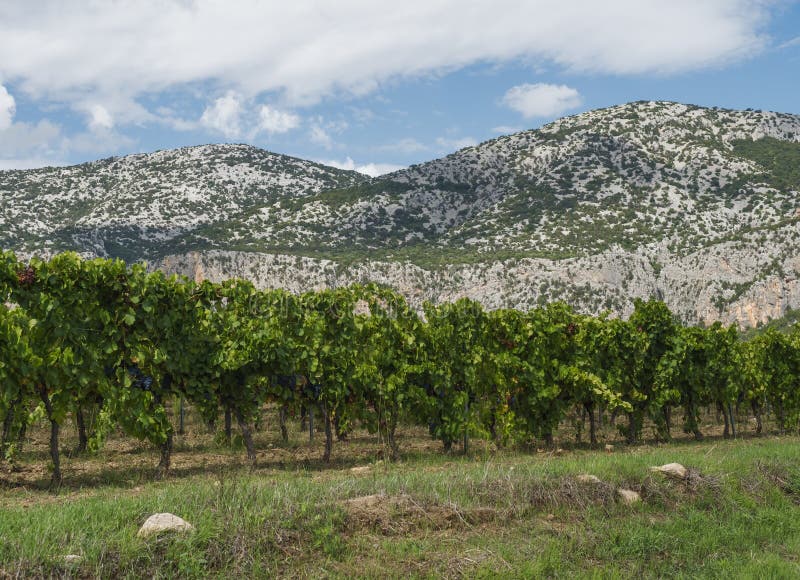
point(366, 85)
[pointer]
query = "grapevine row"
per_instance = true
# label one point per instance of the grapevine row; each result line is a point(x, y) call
point(114, 340)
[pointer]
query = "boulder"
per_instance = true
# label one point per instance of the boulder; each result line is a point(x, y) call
point(158, 523)
point(628, 496)
point(588, 478)
point(675, 470)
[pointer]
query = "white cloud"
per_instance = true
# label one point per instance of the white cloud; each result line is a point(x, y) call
point(347, 164)
point(8, 107)
point(406, 145)
point(27, 140)
point(168, 118)
point(320, 130)
point(26, 145)
point(337, 126)
point(541, 100)
point(100, 119)
point(453, 144)
point(232, 114)
point(97, 141)
point(320, 136)
point(274, 121)
point(376, 169)
point(224, 116)
point(371, 169)
point(790, 43)
point(304, 50)
point(363, 115)
point(506, 129)
point(6, 164)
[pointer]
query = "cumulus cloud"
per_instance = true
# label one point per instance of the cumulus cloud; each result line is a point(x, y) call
point(376, 169)
point(224, 116)
point(100, 119)
point(272, 120)
point(541, 100)
point(371, 169)
point(235, 116)
point(304, 50)
point(29, 145)
point(8, 106)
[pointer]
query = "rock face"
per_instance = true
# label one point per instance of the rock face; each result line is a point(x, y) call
point(165, 522)
point(647, 199)
point(585, 283)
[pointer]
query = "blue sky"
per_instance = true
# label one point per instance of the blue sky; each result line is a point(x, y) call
point(363, 84)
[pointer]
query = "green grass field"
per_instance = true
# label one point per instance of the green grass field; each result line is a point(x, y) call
point(492, 514)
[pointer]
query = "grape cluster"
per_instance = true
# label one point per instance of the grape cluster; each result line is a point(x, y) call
point(508, 343)
point(313, 391)
point(26, 277)
point(140, 380)
point(288, 382)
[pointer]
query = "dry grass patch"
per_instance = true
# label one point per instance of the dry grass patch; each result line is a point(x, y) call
point(400, 514)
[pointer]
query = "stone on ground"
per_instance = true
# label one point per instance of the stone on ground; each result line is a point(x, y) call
point(158, 523)
point(73, 559)
point(588, 478)
point(675, 470)
point(628, 496)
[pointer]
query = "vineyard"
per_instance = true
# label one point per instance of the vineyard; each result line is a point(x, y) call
point(109, 346)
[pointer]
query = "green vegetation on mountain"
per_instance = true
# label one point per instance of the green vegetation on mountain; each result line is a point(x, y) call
point(780, 160)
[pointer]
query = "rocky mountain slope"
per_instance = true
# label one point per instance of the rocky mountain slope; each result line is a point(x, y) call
point(142, 206)
point(697, 206)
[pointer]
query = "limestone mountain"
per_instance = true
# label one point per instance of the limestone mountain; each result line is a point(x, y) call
point(144, 206)
point(698, 206)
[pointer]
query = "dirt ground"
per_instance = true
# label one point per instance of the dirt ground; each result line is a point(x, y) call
point(126, 462)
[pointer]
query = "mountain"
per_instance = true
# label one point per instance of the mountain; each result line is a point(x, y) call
point(144, 206)
point(697, 206)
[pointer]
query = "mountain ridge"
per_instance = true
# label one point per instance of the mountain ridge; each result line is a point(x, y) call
point(694, 204)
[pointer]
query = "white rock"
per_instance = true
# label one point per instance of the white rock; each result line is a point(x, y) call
point(588, 478)
point(158, 523)
point(672, 469)
point(73, 559)
point(628, 496)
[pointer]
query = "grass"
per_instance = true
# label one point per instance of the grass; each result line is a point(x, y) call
point(495, 513)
